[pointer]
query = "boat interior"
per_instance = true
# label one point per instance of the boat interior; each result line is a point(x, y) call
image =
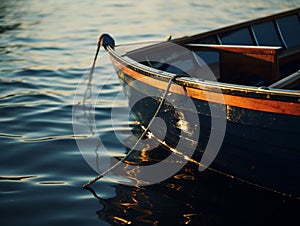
point(262, 53)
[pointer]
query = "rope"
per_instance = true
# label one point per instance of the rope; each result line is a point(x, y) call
point(163, 98)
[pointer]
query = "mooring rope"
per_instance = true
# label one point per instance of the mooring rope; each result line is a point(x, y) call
point(163, 98)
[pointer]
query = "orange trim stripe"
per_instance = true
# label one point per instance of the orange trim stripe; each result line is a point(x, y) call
point(272, 106)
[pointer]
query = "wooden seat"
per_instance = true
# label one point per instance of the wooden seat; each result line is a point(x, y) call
point(238, 62)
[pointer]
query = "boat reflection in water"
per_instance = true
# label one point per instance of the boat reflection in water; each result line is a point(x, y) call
point(191, 197)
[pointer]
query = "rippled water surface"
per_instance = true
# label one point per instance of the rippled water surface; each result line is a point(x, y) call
point(46, 47)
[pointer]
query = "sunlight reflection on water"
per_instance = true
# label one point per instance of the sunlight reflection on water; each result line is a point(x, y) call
point(45, 49)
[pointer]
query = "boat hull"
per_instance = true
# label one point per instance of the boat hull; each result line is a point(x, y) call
point(259, 147)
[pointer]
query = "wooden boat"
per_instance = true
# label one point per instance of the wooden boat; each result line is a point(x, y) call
point(256, 65)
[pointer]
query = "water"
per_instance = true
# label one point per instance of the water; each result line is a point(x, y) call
point(45, 49)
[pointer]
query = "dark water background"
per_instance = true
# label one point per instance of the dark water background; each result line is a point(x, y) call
point(45, 49)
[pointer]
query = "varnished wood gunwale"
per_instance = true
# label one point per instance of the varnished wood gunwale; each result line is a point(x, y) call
point(212, 94)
